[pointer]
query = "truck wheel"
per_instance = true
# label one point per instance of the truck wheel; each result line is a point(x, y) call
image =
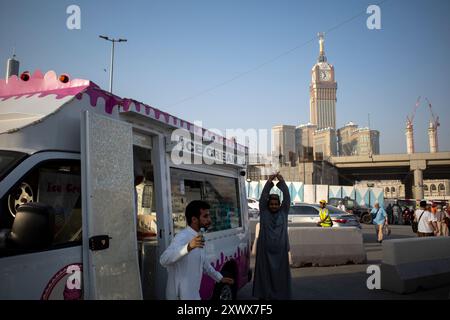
point(367, 219)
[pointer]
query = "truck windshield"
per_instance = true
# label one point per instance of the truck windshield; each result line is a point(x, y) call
point(8, 160)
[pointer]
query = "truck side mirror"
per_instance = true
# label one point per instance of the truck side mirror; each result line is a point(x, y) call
point(33, 227)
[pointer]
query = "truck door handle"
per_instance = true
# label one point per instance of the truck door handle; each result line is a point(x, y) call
point(100, 242)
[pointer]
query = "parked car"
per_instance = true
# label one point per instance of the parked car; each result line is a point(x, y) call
point(351, 206)
point(253, 213)
point(304, 214)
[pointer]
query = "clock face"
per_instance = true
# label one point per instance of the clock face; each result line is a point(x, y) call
point(324, 75)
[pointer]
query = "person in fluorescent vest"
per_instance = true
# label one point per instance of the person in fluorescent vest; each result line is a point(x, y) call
point(324, 215)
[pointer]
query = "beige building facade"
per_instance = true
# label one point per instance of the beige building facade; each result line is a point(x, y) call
point(325, 145)
point(354, 141)
point(433, 189)
point(283, 143)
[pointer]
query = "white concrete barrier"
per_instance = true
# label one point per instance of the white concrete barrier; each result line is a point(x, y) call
point(414, 263)
point(326, 246)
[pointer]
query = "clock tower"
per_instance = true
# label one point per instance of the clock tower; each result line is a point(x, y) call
point(322, 91)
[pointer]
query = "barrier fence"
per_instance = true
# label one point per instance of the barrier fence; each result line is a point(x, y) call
point(309, 193)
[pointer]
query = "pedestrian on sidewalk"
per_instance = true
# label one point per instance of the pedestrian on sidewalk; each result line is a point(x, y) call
point(396, 212)
point(341, 206)
point(440, 215)
point(427, 224)
point(390, 213)
point(379, 220)
point(446, 221)
point(272, 272)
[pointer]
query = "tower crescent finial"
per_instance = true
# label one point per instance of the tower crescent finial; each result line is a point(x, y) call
point(322, 57)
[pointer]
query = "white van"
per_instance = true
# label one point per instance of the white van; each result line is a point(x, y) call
point(73, 224)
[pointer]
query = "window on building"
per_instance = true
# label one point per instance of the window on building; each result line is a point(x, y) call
point(392, 189)
point(441, 189)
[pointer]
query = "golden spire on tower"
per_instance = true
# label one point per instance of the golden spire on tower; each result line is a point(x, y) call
point(322, 57)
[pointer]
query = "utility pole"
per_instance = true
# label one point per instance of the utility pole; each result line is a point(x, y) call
point(370, 137)
point(111, 68)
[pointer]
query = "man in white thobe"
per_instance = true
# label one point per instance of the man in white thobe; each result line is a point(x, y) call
point(185, 257)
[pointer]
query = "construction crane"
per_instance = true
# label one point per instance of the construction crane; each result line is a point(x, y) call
point(410, 119)
point(435, 119)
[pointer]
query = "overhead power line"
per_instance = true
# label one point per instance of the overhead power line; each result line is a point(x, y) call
point(285, 53)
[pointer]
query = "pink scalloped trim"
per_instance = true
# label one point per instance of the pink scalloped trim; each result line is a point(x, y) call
point(42, 84)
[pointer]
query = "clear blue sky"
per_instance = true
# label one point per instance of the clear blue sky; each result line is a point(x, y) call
point(177, 49)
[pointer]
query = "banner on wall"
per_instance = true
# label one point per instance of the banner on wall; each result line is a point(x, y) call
point(309, 193)
point(297, 193)
point(300, 192)
point(321, 192)
point(335, 192)
point(348, 192)
point(362, 196)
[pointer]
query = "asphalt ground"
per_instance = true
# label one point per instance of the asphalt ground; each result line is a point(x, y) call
point(348, 282)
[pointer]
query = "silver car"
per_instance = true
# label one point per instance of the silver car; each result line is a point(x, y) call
point(304, 214)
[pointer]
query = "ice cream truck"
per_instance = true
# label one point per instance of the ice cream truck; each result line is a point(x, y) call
point(94, 187)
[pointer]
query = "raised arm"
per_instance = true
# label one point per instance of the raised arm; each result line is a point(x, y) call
point(286, 195)
point(265, 194)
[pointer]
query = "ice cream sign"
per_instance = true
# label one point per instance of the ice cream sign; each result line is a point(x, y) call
point(188, 148)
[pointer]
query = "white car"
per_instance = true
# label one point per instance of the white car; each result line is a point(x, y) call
point(304, 214)
point(253, 203)
point(253, 213)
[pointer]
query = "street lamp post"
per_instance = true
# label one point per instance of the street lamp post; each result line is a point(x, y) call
point(111, 69)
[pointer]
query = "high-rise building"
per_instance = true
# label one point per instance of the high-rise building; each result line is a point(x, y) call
point(323, 91)
point(283, 143)
point(304, 141)
point(346, 141)
point(325, 144)
point(319, 140)
point(354, 141)
point(368, 141)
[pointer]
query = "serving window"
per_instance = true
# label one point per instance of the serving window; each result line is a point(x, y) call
point(221, 193)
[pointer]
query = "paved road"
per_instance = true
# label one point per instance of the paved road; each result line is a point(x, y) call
point(349, 281)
